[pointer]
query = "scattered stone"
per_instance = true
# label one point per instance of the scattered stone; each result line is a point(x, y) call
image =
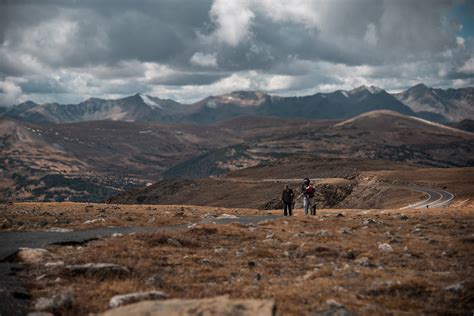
point(270, 235)
point(54, 264)
point(368, 221)
point(115, 235)
point(34, 255)
point(285, 223)
point(345, 230)
point(62, 301)
point(59, 230)
point(6, 223)
point(364, 262)
point(324, 233)
point(403, 217)
point(125, 299)
point(385, 247)
point(204, 261)
point(221, 305)
point(226, 216)
point(251, 264)
point(220, 250)
point(41, 277)
point(174, 242)
point(310, 274)
point(333, 308)
point(92, 221)
point(258, 277)
point(457, 287)
point(102, 270)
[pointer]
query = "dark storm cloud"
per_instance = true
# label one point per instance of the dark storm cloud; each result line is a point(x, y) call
point(113, 47)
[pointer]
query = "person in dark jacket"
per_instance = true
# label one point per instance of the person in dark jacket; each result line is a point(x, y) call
point(287, 196)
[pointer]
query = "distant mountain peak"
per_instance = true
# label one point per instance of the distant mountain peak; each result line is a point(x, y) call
point(150, 101)
point(370, 89)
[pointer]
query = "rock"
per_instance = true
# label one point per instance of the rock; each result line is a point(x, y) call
point(6, 223)
point(125, 299)
point(92, 221)
point(62, 301)
point(368, 222)
point(385, 247)
point(403, 217)
point(54, 264)
point(333, 308)
point(221, 305)
point(204, 261)
point(270, 235)
point(345, 230)
point(174, 242)
point(324, 233)
point(102, 270)
point(457, 287)
point(340, 215)
point(364, 262)
point(220, 250)
point(226, 216)
point(115, 235)
point(258, 277)
point(59, 230)
point(34, 255)
point(40, 314)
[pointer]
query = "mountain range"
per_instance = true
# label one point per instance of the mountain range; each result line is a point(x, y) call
point(437, 105)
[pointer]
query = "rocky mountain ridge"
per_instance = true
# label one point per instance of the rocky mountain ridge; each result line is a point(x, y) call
point(420, 101)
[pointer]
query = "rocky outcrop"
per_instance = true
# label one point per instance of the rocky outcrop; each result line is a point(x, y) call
point(221, 305)
point(34, 255)
point(98, 270)
point(125, 299)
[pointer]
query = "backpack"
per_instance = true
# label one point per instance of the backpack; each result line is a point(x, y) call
point(310, 192)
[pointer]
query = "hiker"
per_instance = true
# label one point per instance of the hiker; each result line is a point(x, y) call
point(307, 191)
point(287, 196)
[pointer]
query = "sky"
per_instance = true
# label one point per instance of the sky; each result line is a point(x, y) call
point(67, 51)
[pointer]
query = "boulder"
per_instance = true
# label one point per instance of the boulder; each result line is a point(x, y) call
point(220, 305)
point(333, 308)
point(34, 255)
point(125, 299)
point(102, 270)
point(385, 247)
point(54, 303)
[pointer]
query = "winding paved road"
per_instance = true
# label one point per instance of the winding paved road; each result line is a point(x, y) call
point(435, 198)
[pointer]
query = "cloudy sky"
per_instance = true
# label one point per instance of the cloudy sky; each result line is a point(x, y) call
point(67, 51)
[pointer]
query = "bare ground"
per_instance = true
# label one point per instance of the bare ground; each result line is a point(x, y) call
point(300, 261)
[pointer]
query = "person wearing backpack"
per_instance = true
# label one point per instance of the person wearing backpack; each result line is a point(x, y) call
point(287, 196)
point(308, 191)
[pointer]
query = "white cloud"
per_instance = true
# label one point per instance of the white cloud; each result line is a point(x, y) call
point(468, 67)
point(204, 60)
point(371, 35)
point(233, 20)
point(9, 93)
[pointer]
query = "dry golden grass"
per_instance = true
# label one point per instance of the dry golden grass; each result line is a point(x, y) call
point(42, 216)
point(303, 262)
